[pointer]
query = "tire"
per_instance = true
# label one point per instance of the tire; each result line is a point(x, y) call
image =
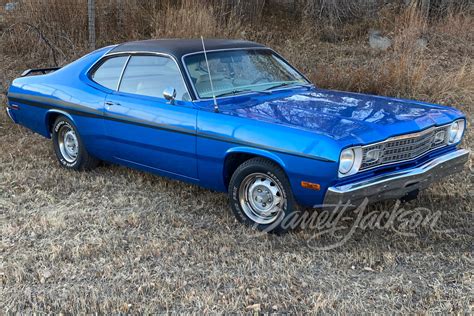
point(69, 148)
point(261, 196)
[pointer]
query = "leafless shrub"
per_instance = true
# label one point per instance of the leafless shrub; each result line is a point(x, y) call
point(46, 29)
point(336, 11)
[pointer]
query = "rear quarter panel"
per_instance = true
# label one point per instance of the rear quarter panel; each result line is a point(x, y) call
point(41, 98)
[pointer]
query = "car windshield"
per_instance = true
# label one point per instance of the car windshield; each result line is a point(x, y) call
point(240, 71)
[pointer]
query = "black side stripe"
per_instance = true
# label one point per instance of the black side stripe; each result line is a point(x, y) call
point(47, 106)
point(164, 127)
point(106, 117)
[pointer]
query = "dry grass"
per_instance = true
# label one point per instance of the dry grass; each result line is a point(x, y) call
point(192, 19)
point(117, 240)
point(407, 69)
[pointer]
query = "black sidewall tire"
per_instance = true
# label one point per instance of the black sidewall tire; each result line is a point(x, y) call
point(257, 165)
point(83, 157)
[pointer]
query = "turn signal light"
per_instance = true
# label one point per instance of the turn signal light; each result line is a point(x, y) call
point(309, 185)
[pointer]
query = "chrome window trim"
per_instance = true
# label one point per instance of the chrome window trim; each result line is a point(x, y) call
point(94, 64)
point(97, 64)
point(145, 53)
point(196, 95)
point(404, 136)
point(122, 72)
point(137, 53)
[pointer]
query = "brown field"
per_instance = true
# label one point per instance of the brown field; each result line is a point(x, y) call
point(118, 240)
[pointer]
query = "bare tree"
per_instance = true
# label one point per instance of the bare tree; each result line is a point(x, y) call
point(91, 15)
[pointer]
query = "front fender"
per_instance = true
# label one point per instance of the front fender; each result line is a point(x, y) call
point(297, 169)
point(256, 152)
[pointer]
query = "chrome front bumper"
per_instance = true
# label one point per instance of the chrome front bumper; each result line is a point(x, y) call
point(397, 184)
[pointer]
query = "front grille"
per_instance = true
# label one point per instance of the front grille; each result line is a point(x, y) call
point(405, 147)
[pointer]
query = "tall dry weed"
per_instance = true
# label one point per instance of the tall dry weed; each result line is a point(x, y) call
point(195, 18)
point(413, 67)
point(405, 67)
point(56, 31)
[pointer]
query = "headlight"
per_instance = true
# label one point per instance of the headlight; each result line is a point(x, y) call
point(347, 160)
point(455, 131)
point(350, 160)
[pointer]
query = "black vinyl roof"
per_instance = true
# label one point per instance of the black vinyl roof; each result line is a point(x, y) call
point(180, 47)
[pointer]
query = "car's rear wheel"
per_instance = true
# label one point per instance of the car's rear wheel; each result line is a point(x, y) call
point(261, 196)
point(69, 147)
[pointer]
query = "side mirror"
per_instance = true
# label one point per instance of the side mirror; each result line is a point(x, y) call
point(170, 94)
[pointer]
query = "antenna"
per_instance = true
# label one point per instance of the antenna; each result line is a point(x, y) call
point(216, 107)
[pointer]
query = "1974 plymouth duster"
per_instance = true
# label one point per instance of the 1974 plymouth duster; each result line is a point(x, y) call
point(234, 116)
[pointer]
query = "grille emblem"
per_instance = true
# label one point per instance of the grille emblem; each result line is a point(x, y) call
point(439, 137)
point(373, 155)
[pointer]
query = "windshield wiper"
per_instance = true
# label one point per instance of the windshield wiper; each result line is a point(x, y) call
point(240, 91)
point(284, 84)
point(266, 91)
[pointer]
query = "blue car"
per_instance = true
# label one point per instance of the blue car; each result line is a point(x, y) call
point(235, 116)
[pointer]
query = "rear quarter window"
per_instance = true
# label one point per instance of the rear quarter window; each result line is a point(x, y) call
point(108, 73)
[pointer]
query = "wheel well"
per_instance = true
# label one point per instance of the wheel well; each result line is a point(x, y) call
point(234, 160)
point(50, 119)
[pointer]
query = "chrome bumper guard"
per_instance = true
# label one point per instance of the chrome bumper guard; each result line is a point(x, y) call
point(397, 184)
point(9, 114)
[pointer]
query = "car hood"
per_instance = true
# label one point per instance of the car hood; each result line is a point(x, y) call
point(350, 117)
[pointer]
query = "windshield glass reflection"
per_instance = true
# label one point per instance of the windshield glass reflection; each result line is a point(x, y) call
point(235, 72)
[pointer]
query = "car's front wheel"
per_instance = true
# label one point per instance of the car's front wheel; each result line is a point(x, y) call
point(261, 196)
point(69, 148)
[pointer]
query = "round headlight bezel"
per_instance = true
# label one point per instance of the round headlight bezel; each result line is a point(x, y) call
point(346, 161)
point(350, 160)
point(455, 132)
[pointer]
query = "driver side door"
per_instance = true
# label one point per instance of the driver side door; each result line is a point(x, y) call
point(144, 129)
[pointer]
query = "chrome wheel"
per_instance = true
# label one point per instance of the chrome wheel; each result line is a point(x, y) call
point(261, 198)
point(68, 143)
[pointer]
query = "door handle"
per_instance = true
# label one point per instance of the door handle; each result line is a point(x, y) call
point(109, 104)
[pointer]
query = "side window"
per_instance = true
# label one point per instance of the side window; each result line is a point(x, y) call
point(151, 75)
point(108, 74)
